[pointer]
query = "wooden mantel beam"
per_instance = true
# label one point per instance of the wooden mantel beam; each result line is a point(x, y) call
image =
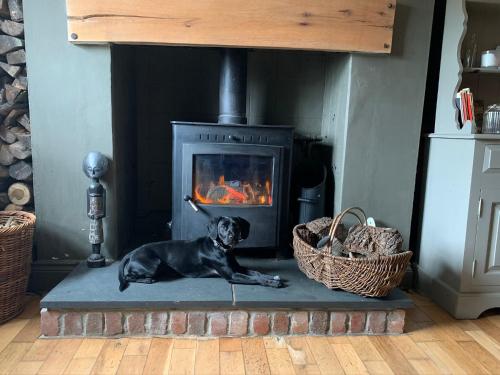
point(323, 25)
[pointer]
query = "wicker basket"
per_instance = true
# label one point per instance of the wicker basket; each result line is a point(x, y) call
point(371, 277)
point(15, 261)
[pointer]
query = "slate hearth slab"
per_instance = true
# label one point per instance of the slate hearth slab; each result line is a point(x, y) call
point(301, 292)
point(97, 288)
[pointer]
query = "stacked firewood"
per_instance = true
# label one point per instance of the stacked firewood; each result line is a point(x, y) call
point(16, 177)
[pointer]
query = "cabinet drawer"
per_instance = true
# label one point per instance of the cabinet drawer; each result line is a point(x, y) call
point(491, 162)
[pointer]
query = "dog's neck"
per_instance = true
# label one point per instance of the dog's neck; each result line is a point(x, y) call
point(221, 246)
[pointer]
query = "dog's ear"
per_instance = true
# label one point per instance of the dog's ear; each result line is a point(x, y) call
point(244, 227)
point(213, 229)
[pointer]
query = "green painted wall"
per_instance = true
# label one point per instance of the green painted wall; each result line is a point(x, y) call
point(70, 108)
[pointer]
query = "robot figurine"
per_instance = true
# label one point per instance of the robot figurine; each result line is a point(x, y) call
point(95, 165)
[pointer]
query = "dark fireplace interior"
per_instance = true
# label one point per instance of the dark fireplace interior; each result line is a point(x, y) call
point(154, 86)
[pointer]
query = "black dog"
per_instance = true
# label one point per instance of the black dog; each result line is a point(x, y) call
point(203, 257)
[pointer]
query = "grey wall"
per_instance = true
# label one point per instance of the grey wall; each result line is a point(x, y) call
point(334, 118)
point(384, 120)
point(70, 108)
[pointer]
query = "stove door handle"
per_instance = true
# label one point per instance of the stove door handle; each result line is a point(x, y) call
point(193, 205)
point(234, 138)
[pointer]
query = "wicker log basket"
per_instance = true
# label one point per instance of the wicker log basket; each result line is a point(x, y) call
point(16, 238)
point(372, 276)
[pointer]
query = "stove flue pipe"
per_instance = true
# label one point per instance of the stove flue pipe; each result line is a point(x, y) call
point(233, 87)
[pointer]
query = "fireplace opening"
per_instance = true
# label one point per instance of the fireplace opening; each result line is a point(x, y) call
point(158, 89)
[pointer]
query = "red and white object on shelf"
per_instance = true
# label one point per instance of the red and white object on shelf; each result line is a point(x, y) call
point(465, 103)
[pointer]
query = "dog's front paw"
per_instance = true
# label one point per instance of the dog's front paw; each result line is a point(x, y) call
point(275, 283)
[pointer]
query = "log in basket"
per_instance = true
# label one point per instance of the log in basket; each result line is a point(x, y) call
point(16, 241)
point(373, 276)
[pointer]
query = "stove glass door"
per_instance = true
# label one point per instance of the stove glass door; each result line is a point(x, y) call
point(232, 179)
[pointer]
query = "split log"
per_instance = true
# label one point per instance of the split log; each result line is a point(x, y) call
point(24, 121)
point(5, 79)
point(21, 171)
point(6, 134)
point(4, 9)
point(5, 180)
point(16, 57)
point(11, 70)
point(20, 193)
point(10, 43)
point(16, 9)
point(13, 207)
point(4, 200)
point(5, 108)
point(6, 158)
point(22, 135)
point(13, 115)
point(4, 172)
point(21, 82)
point(12, 28)
point(19, 150)
point(11, 93)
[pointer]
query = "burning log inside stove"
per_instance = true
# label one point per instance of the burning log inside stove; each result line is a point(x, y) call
point(234, 192)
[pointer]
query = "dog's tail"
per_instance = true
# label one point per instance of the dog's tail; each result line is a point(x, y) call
point(121, 273)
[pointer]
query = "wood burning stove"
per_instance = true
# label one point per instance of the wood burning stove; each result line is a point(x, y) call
point(232, 169)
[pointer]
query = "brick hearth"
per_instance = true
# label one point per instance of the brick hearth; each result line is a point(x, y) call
point(88, 303)
point(220, 323)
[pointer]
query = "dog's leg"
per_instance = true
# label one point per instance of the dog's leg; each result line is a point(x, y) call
point(259, 274)
point(240, 269)
point(240, 278)
point(145, 280)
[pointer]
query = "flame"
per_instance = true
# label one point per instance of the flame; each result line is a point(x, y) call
point(268, 190)
point(200, 198)
point(236, 192)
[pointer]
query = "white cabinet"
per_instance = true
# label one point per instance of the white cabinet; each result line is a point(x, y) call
point(459, 254)
point(486, 264)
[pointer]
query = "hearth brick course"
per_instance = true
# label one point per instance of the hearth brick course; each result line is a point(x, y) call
point(375, 321)
point(113, 323)
point(49, 322)
point(300, 323)
point(281, 323)
point(357, 321)
point(338, 323)
point(196, 323)
point(219, 323)
point(93, 324)
point(396, 321)
point(238, 323)
point(72, 324)
point(319, 323)
point(134, 323)
point(157, 323)
point(178, 322)
point(260, 324)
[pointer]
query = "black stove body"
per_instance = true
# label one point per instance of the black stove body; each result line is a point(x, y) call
point(231, 170)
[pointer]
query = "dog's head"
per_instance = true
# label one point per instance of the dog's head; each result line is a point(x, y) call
point(228, 230)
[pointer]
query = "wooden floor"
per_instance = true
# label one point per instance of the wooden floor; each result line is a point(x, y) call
point(435, 343)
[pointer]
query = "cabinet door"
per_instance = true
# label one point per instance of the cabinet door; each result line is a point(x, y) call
point(487, 248)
